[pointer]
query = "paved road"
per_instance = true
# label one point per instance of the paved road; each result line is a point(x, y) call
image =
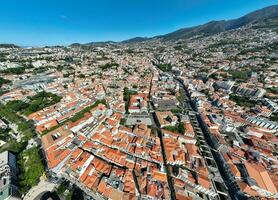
point(225, 172)
point(40, 189)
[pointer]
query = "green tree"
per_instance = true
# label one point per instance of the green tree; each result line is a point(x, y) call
point(31, 168)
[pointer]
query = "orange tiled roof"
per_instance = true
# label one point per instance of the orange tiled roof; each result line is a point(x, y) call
point(55, 137)
point(261, 176)
point(160, 176)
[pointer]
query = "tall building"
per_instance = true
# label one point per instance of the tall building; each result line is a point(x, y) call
point(8, 178)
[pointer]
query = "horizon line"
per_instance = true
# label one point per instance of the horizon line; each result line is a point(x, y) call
point(122, 40)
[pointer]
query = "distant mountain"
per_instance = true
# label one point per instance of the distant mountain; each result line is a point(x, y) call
point(8, 46)
point(136, 39)
point(101, 43)
point(93, 44)
point(214, 27)
point(75, 45)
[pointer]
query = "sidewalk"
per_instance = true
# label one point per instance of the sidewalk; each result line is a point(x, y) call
point(40, 189)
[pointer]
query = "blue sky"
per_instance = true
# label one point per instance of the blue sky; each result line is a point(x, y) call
point(51, 22)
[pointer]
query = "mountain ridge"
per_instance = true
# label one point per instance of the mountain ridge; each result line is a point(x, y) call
point(214, 27)
point(6, 45)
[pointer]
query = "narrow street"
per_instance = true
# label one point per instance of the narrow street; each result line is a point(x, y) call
point(166, 166)
point(226, 174)
point(160, 135)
